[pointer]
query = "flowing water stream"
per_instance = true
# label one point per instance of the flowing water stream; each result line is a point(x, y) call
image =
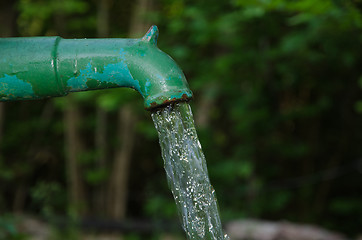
point(187, 174)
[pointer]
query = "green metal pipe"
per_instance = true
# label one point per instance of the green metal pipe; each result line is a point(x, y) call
point(41, 67)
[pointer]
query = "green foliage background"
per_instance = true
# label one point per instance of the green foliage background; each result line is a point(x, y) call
point(279, 83)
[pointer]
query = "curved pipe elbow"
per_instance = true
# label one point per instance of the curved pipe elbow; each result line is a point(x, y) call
point(137, 64)
point(160, 79)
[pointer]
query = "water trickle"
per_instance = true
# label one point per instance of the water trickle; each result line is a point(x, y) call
point(187, 174)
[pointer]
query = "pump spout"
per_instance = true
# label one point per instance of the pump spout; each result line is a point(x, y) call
point(41, 67)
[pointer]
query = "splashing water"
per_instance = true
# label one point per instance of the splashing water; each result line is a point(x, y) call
point(187, 174)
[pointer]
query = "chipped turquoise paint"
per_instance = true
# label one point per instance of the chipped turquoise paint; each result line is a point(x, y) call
point(31, 60)
point(147, 86)
point(12, 87)
point(54, 66)
point(117, 74)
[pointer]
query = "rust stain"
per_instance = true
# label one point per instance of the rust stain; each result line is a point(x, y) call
point(184, 96)
point(155, 105)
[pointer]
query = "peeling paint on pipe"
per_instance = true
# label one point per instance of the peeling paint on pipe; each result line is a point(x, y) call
point(42, 67)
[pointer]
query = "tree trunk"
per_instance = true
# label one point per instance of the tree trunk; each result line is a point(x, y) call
point(74, 148)
point(8, 29)
point(103, 18)
point(19, 197)
point(7, 18)
point(206, 102)
point(100, 136)
point(120, 172)
point(2, 119)
point(139, 23)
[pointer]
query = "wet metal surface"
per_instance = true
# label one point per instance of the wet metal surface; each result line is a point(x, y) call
point(40, 67)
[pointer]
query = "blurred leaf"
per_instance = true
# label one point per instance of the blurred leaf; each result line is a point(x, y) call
point(358, 107)
point(159, 206)
point(96, 176)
